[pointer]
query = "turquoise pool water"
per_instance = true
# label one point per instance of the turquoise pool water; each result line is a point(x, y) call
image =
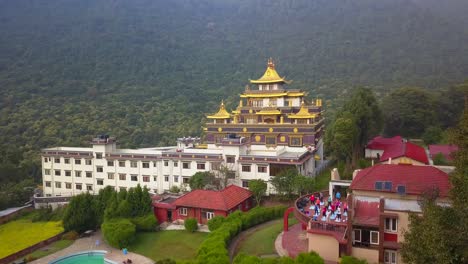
point(87, 257)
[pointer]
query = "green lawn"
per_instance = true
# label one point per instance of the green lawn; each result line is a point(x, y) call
point(52, 248)
point(22, 233)
point(262, 241)
point(178, 245)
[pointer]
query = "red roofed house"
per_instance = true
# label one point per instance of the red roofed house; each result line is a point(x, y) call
point(204, 204)
point(445, 150)
point(396, 149)
point(379, 204)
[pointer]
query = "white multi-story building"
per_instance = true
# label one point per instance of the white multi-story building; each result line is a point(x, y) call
point(272, 129)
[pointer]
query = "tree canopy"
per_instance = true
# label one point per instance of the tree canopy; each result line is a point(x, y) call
point(258, 188)
point(440, 235)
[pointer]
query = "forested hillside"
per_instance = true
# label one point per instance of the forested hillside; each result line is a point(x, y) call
point(146, 71)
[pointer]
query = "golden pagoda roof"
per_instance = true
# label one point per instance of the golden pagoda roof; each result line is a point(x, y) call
point(221, 114)
point(272, 93)
point(270, 75)
point(269, 111)
point(303, 113)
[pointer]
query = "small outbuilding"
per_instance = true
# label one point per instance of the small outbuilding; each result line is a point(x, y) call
point(203, 204)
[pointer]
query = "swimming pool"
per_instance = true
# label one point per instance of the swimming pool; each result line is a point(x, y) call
point(85, 257)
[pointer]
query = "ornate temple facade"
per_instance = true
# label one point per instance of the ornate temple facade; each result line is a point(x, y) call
point(273, 128)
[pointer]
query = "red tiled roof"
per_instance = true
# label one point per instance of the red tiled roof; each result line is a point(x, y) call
point(366, 213)
point(224, 200)
point(380, 142)
point(416, 179)
point(446, 150)
point(396, 147)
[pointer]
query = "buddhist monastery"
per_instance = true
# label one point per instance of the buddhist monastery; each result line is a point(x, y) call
point(273, 128)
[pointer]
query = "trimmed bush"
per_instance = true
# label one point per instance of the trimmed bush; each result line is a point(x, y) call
point(213, 249)
point(118, 232)
point(191, 224)
point(309, 258)
point(145, 223)
point(352, 260)
point(215, 222)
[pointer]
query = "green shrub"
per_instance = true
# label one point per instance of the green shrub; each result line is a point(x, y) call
point(42, 214)
point(352, 260)
point(118, 232)
point(215, 222)
point(145, 223)
point(309, 258)
point(191, 224)
point(174, 189)
point(70, 235)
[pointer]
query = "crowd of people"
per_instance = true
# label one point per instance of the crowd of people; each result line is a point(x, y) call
point(332, 209)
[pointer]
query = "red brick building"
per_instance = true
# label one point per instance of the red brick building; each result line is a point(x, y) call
point(204, 204)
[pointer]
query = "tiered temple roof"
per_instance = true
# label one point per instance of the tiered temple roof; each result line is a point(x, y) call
point(270, 75)
point(271, 115)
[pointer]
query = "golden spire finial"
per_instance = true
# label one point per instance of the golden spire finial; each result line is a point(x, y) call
point(270, 63)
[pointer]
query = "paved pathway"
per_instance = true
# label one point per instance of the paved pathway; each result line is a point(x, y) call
point(293, 242)
point(89, 243)
point(201, 228)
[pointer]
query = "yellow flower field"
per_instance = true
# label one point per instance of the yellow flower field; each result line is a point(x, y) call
point(22, 233)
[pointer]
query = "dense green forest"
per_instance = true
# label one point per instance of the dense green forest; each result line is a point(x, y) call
point(147, 71)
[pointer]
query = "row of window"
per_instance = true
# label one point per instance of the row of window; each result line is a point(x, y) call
point(364, 237)
point(68, 185)
point(68, 173)
point(122, 176)
point(122, 163)
point(260, 169)
point(79, 186)
point(110, 163)
point(185, 165)
point(67, 161)
point(208, 215)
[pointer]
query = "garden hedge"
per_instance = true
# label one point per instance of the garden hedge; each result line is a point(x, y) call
point(215, 222)
point(214, 248)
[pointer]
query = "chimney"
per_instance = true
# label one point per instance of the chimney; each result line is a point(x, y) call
point(335, 175)
point(355, 172)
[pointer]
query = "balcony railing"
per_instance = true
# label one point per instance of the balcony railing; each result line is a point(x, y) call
point(337, 230)
point(329, 227)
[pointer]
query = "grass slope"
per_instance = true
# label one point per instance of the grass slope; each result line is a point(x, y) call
point(22, 233)
point(262, 241)
point(178, 245)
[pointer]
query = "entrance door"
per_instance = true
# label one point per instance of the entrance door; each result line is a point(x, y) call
point(169, 215)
